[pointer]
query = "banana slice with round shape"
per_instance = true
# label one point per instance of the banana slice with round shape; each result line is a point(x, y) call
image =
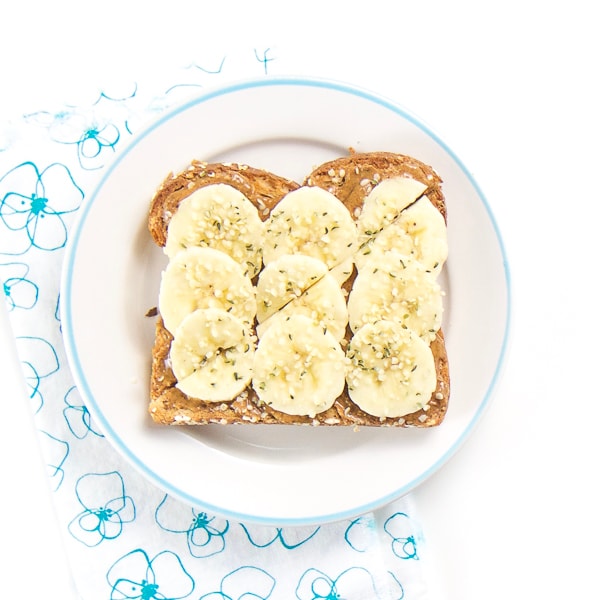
point(299, 368)
point(310, 221)
point(391, 371)
point(323, 303)
point(204, 278)
point(397, 288)
point(419, 231)
point(218, 216)
point(212, 354)
point(385, 202)
point(284, 279)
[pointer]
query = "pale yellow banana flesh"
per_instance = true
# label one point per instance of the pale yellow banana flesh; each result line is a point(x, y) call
point(391, 371)
point(299, 368)
point(397, 288)
point(220, 217)
point(212, 355)
point(386, 201)
point(419, 231)
point(310, 221)
point(284, 279)
point(323, 302)
point(204, 278)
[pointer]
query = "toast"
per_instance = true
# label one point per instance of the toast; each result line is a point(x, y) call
point(350, 179)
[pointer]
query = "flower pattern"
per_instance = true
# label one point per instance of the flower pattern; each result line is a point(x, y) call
point(205, 535)
point(19, 291)
point(39, 361)
point(358, 533)
point(56, 451)
point(106, 508)
point(77, 416)
point(399, 527)
point(355, 583)
point(33, 207)
point(91, 137)
point(136, 576)
point(244, 583)
point(289, 538)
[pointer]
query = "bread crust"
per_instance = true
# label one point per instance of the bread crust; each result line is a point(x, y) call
point(262, 188)
point(349, 178)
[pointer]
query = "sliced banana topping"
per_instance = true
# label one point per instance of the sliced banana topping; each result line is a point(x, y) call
point(391, 371)
point(284, 279)
point(220, 217)
point(212, 354)
point(299, 368)
point(397, 288)
point(302, 255)
point(204, 278)
point(310, 221)
point(418, 231)
point(343, 271)
point(385, 203)
point(323, 303)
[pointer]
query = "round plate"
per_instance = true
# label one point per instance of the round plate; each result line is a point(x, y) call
point(271, 474)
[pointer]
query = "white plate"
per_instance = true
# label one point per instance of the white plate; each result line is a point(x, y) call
point(272, 474)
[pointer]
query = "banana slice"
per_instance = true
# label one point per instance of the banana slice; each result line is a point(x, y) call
point(220, 217)
point(299, 368)
point(212, 354)
point(397, 288)
point(385, 203)
point(343, 271)
point(204, 278)
point(391, 371)
point(310, 221)
point(419, 231)
point(284, 279)
point(323, 303)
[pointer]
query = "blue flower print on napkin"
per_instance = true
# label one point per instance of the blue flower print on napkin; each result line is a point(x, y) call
point(91, 125)
point(33, 204)
point(77, 415)
point(291, 538)
point(39, 360)
point(56, 452)
point(245, 583)
point(205, 534)
point(90, 136)
point(399, 527)
point(19, 291)
point(262, 56)
point(106, 508)
point(355, 583)
point(92, 140)
point(135, 576)
point(359, 533)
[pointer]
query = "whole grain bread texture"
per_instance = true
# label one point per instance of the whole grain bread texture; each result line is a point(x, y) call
point(350, 178)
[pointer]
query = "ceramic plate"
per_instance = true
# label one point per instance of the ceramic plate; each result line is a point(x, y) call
point(272, 474)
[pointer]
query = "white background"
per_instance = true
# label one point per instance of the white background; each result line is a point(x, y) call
point(512, 88)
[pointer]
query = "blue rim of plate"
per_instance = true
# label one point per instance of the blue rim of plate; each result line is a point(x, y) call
point(67, 275)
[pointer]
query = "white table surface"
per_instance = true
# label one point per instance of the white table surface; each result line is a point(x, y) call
point(512, 88)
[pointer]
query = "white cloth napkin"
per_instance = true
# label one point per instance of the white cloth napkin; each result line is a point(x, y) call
point(124, 537)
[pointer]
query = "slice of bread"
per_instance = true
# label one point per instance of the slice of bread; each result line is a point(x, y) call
point(350, 179)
